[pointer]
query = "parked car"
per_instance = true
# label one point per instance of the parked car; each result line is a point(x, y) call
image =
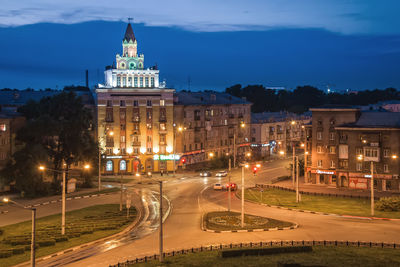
point(205, 174)
point(221, 174)
point(232, 185)
point(218, 187)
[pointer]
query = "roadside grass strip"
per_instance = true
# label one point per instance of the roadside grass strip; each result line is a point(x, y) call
point(327, 205)
point(224, 221)
point(318, 256)
point(82, 226)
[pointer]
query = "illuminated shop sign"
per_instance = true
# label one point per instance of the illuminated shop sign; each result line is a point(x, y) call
point(325, 172)
point(114, 157)
point(166, 157)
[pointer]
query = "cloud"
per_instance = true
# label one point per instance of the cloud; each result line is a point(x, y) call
point(342, 16)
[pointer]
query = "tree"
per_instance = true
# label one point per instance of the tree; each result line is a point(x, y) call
point(59, 128)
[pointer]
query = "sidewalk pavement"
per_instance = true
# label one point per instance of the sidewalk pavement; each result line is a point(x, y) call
point(329, 189)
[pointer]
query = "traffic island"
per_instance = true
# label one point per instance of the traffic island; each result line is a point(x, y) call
point(82, 226)
point(228, 222)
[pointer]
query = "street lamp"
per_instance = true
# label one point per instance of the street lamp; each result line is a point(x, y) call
point(360, 158)
point(211, 154)
point(242, 125)
point(242, 214)
point(63, 198)
point(179, 129)
point(33, 249)
point(110, 133)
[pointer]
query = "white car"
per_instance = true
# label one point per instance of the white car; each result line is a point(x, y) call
point(205, 174)
point(218, 187)
point(221, 174)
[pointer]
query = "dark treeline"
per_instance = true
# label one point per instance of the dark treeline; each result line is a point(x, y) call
point(69, 88)
point(305, 97)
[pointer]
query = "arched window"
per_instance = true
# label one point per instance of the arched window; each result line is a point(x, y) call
point(109, 165)
point(132, 65)
point(122, 165)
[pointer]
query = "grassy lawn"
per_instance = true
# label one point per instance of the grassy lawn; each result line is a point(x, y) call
point(224, 220)
point(114, 180)
point(320, 256)
point(83, 226)
point(107, 190)
point(337, 205)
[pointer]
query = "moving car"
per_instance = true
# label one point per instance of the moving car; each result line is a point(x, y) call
point(232, 185)
point(221, 174)
point(218, 187)
point(205, 174)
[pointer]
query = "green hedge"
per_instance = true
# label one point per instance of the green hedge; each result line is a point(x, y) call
point(19, 250)
point(5, 253)
point(388, 204)
point(263, 251)
point(46, 243)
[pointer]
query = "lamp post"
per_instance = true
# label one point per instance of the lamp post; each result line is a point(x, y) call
point(242, 125)
point(161, 224)
point(242, 213)
point(179, 129)
point(63, 194)
point(33, 238)
point(361, 158)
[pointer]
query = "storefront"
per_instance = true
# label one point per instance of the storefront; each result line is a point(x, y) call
point(363, 181)
point(323, 176)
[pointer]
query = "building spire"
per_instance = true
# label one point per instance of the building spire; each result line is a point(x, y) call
point(129, 35)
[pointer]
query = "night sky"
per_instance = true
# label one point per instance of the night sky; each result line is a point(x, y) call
point(342, 44)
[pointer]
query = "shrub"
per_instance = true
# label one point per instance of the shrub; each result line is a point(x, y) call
point(388, 204)
point(46, 243)
point(19, 250)
point(5, 253)
point(263, 251)
point(61, 238)
point(16, 242)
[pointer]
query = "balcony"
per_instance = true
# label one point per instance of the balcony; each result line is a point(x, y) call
point(136, 143)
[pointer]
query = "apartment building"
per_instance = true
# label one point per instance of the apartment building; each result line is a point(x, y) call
point(346, 141)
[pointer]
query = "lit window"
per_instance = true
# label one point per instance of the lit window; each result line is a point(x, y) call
point(162, 102)
point(332, 136)
point(3, 127)
point(109, 166)
point(332, 149)
point(152, 81)
point(386, 153)
point(359, 166)
point(385, 168)
point(319, 149)
point(135, 81)
point(122, 165)
point(332, 164)
point(319, 135)
point(319, 163)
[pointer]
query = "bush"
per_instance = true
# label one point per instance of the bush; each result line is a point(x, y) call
point(5, 253)
point(19, 250)
point(16, 242)
point(46, 243)
point(388, 204)
point(61, 238)
point(263, 251)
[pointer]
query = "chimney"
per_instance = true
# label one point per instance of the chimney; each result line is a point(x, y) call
point(87, 78)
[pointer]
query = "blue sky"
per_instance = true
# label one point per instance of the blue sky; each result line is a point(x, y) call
point(344, 44)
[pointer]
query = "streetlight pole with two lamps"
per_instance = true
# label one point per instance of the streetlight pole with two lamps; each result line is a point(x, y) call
point(63, 193)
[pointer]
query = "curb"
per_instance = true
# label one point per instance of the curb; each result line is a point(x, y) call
point(253, 230)
point(68, 198)
point(203, 228)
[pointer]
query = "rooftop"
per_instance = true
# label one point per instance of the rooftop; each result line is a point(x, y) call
point(207, 98)
point(265, 117)
point(376, 119)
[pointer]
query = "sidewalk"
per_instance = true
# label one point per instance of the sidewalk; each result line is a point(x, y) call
point(325, 189)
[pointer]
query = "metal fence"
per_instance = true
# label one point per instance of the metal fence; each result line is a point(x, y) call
point(325, 243)
point(314, 193)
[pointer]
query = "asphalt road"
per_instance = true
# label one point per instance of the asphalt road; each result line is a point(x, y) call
point(192, 196)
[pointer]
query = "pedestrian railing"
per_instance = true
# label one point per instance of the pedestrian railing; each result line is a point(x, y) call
point(292, 243)
point(314, 193)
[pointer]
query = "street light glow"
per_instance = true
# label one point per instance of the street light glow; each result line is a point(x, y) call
point(6, 200)
point(258, 165)
point(180, 129)
point(360, 157)
point(394, 156)
point(242, 124)
point(246, 166)
point(248, 154)
point(282, 152)
point(87, 166)
point(293, 122)
point(211, 155)
point(302, 145)
point(111, 133)
point(41, 168)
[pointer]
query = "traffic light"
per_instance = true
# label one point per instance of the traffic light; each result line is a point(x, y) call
point(183, 160)
point(255, 169)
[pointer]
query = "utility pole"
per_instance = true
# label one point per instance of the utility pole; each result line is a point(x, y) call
point(63, 199)
point(297, 180)
point(229, 163)
point(120, 198)
point(293, 172)
point(372, 190)
point(174, 149)
point(161, 224)
point(99, 169)
point(229, 192)
point(234, 149)
point(242, 215)
point(33, 249)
